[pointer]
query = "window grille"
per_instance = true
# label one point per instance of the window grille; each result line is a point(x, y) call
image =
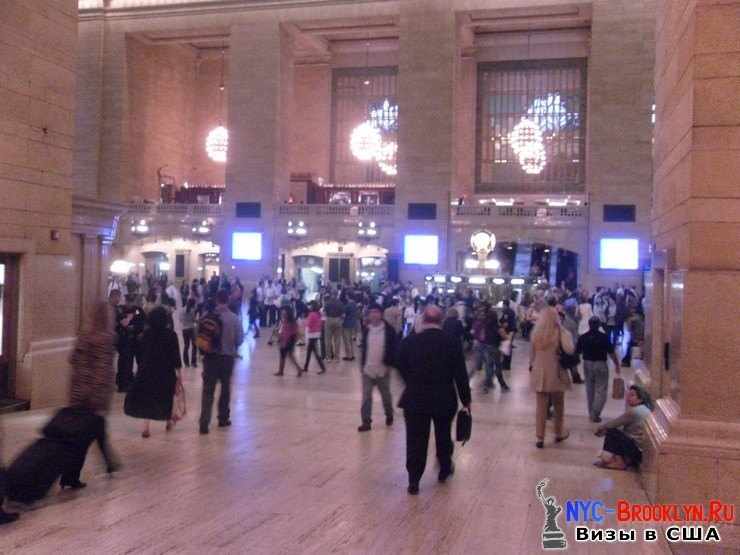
point(551, 93)
point(354, 102)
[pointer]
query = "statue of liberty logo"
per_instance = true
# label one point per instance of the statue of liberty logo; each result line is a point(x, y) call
point(552, 536)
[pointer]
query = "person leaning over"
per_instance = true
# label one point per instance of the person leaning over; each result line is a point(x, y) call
point(625, 435)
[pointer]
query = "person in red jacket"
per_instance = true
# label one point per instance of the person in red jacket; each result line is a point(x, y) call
point(313, 335)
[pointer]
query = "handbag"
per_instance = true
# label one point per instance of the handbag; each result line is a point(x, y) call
point(567, 360)
point(179, 403)
point(463, 426)
point(618, 388)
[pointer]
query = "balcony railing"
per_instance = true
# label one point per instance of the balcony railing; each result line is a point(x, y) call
point(520, 211)
point(176, 209)
point(336, 210)
point(566, 214)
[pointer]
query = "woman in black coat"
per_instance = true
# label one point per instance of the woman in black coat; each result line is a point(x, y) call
point(153, 391)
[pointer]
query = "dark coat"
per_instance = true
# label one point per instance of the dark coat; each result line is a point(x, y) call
point(154, 387)
point(454, 328)
point(433, 366)
point(391, 346)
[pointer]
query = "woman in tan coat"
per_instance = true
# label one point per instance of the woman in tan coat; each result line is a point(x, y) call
point(549, 380)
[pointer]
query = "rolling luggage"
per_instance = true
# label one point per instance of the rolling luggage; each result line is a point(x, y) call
point(60, 453)
point(35, 470)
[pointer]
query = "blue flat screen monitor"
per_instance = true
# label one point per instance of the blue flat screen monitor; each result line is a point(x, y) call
point(246, 245)
point(421, 249)
point(619, 254)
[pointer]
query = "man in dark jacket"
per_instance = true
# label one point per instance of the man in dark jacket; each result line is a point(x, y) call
point(433, 366)
point(378, 356)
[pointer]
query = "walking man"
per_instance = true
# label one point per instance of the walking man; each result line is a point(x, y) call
point(433, 366)
point(218, 366)
point(378, 356)
point(594, 346)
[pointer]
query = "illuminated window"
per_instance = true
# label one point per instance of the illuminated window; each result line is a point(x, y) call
point(619, 254)
point(421, 249)
point(355, 102)
point(246, 246)
point(549, 95)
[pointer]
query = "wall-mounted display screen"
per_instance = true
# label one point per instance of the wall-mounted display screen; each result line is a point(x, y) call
point(421, 249)
point(619, 254)
point(246, 245)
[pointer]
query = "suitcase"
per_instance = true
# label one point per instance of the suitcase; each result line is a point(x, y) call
point(35, 470)
point(67, 437)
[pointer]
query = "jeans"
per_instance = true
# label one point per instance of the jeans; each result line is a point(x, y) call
point(333, 337)
point(188, 341)
point(479, 357)
point(313, 347)
point(384, 386)
point(349, 346)
point(216, 368)
point(492, 357)
point(597, 383)
point(272, 315)
point(417, 441)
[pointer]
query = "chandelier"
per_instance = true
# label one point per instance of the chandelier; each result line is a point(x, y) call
point(365, 142)
point(217, 144)
point(527, 142)
point(217, 141)
point(386, 158)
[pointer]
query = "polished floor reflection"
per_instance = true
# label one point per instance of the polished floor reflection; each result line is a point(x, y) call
point(292, 475)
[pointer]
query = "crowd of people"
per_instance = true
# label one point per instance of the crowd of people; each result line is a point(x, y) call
point(437, 340)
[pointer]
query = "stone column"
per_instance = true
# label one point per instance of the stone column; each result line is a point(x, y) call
point(90, 275)
point(260, 95)
point(695, 434)
point(619, 165)
point(426, 123)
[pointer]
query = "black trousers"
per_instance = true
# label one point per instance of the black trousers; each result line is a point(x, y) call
point(75, 459)
point(313, 347)
point(188, 341)
point(125, 374)
point(272, 315)
point(216, 368)
point(417, 440)
point(619, 443)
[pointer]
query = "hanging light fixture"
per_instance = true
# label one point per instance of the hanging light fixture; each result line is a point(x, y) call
point(386, 157)
point(365, 142)
point(217, 141)
point(526, 139)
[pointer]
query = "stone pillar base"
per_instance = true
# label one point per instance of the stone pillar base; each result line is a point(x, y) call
point(693, 461)
point(43, 375)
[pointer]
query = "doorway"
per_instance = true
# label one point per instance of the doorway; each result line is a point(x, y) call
point(339, 271)
point(8, 322)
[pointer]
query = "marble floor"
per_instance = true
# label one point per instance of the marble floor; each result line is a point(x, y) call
point(292, 475)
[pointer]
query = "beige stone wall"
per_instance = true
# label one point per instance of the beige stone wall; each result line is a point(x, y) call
point(161, 89)
point(311, 131)
point(619, 157)
point(696, 224)
point(37, 99)
point(209, 110)
point(38, 42)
